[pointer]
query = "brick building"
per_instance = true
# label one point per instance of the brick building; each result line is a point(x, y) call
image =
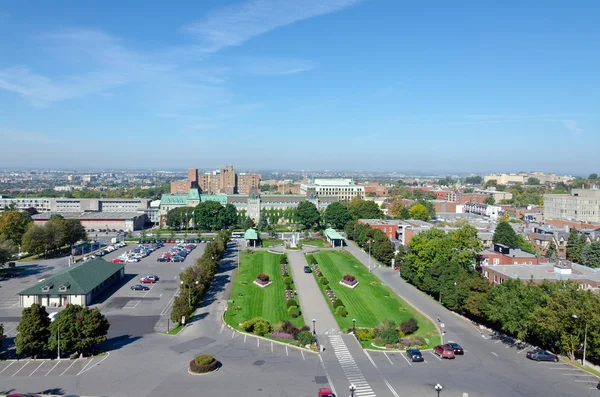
point(376, 188)
point(246, 182)
point(501, 254)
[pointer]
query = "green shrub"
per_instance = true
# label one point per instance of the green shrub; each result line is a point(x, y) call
point(288, 280)
point(310, 259)
point(337, 303)
point(409, 326)
point(257, 325)
point(379, 342)
point(283, 259)
point(203, 363)
point(279, 326)
point(203, 359)
point(305, 338)
point(341, 310)
point(324, 281)
point(386, 325)
point(390, 336)
point(365, 334)
point(293, 311)
point(291, 303)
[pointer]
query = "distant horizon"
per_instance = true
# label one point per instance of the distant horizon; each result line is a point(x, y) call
point(472, 87)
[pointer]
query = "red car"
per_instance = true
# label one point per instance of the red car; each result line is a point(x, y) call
point(324, 392)
point(117, 260)
point(145, 280)
point(444, 351)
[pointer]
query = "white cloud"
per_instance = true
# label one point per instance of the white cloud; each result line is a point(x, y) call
point(571, 125)
point(236, 24)
point(23, 136)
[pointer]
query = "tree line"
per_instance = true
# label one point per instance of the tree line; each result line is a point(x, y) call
point(549, 315)
point(196, 279)
point(579, 250)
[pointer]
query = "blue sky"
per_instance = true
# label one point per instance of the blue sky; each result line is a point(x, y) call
point(317, 84)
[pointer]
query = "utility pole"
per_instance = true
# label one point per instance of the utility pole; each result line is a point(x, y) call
point(58, 338)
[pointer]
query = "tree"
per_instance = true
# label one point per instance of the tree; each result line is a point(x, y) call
point(474, 180)
point(81, 328)
point(533, 181)
point(34, 240)
point(228, 216)
point(263, 223)
point(207, 215)
point(180, 309)
point(382, 248)
point(337, 215)
point(248, 223)
point(73, 231)
point(551, 251)
point(54, 233)
point(2, 336)
point(6, 250)
point(593, 177)
point(397, 207)
point(491, 182)
point(591, 254)
point(505, 234)
point(489, 200)
point(308, 214)
point(418, 211)
point(575, 245)
point(13, 225)
point(33, 331)
point(361, 209)
point(524, 244)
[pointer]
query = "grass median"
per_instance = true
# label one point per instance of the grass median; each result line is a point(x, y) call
point(371, 301)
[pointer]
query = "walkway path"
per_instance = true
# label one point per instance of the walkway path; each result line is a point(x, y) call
point(311, 299)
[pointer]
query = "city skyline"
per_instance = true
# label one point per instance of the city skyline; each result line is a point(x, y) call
point(338, 84)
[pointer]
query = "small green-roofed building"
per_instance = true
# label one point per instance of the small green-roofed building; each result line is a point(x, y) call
point(334, 238)
point(78, 284)
point(251, 237)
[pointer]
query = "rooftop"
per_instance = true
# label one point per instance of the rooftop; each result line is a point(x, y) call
point(173, 199)
point(546, 271)
point(88, 215)
point(332, 234)
point(251, 234)
point(80, 279)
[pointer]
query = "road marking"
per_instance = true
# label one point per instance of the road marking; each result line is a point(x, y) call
point(286, 351)
point(583, 376)
point(327, 375)
point(521, 351)
point(69, 367)
point(391, 388)
point(386, 356)
point(222, 328)
point(37, 368)
point(92, 366)
point(349, 366)
point(301, 352)
point(564, 369)
point(370, 359)
point(245, 338)
point(404, 357)
point(435, 355)
point(160, 296)
point(494, 354)
point(271, 347)
point(498, 341)
point(57, 362)
point(21, 368)
point(232, 334)
point(83, 369)
point(586, 381)
point(5, 368)
point(166, 309)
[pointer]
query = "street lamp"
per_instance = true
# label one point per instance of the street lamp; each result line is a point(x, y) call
point(354, 326)
point(352, 389)
point(314, 326)
point(584, 338)
point(438, 388)
point(189, 294)
point(58, 339)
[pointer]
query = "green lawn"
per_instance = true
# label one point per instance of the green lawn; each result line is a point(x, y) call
point(251, 301)
point(266, 243)
point(315, 242)
point(371, 301)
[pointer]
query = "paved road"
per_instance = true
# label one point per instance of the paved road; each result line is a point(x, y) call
point(312, 302)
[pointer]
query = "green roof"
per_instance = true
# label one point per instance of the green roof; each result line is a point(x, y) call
point(251, 234)
point(173, 199)
point(332, 234)
point(220, 198)
point(80, 279)
point(193, 194)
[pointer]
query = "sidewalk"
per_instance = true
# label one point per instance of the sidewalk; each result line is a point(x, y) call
point(311, 299)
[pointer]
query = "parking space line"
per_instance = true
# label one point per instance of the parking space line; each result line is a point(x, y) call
point(257, 342)
point(271, 347)
point(370, 359)
point(21, 368)
point(327, 375)
point(83, 369)
point(286, 351)
point(564, 369)
point(391, 388)
point(222, 328)
point(586, 381)
point(57, 362)
point(404, 357)
point(583, 376)
point(301, 352)
point(435, 356)
point(5, 368)
point(494, 354)
point(386, 356)
point(73, 363)
point(38, 367)
point(245, 338)
point(232, 335)
point(98, 363)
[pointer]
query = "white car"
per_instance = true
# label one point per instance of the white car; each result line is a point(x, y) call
point(52, 316)
point(132, 260)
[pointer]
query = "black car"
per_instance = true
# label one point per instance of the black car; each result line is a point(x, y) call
point(139, 287)
point(541, 355)
point(456, 347)
point(415, 355)
point(161, 259)
point(307, 269)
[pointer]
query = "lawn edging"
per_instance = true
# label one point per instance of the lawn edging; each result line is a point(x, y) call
point(262, 337)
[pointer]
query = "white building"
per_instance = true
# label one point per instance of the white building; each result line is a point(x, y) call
point(343, 189)
point(582, 205)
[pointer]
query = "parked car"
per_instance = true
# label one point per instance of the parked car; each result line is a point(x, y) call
point(132, 260)
point(324, 392)
point(307, 269)
point(444, 351)
point(415, 355)
point(456, 347)
point(161, 259)
point(152, 277)
point(117, 260)
point(52, 316)
point(139, 287)
point(541, 355)
point(177, 259)
point(145, 280)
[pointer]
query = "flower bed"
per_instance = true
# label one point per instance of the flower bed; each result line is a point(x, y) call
point(281, 335)
point(349, 281)
point(203, 364)
point(262, 284)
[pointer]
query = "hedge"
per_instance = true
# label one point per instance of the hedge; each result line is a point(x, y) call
point(203, 363)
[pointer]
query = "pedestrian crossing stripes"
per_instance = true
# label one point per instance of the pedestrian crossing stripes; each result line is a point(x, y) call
point(351, 370)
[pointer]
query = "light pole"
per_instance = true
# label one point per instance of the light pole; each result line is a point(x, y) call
point(438, 388)
point(314, 326)
point(369, 241)
point(352, 389)
point(58, 339)
point(354, 326)
point(584, 338)
point(189, 294)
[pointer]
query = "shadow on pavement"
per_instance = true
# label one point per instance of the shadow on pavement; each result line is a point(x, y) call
point(57, 391)
point(102, 298)
point(117, 342)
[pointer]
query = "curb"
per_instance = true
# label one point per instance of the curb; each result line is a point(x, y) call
point(204, 373)
point(263, 338)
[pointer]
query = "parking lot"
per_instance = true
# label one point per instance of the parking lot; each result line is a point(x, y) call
point(49, 368)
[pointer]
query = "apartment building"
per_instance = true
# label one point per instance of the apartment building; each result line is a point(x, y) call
point(66, 205)
point(247, 182)
point(343, 189)
point(582, 205)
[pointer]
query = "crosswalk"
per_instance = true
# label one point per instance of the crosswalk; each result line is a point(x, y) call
point(351, 370)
